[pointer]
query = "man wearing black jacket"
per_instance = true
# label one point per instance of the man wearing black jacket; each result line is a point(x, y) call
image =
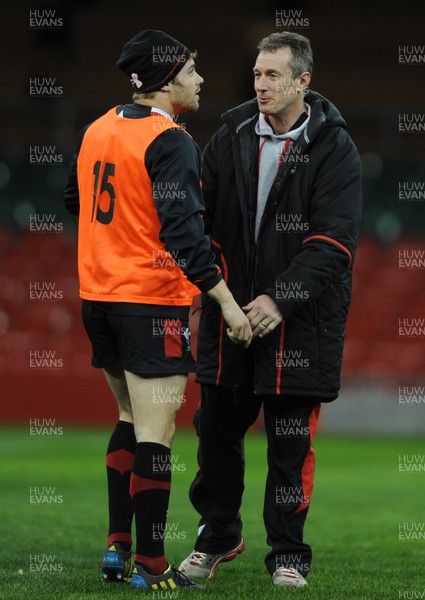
point(282, 188)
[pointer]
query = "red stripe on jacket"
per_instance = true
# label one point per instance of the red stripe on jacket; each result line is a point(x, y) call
point(325, 238)
point(220, 339)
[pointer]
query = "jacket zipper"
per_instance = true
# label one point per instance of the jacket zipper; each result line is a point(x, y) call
point(317, 321)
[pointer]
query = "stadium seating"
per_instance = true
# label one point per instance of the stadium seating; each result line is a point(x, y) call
point(71, 390)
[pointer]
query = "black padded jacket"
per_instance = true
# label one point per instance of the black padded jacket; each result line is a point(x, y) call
point(303, 256)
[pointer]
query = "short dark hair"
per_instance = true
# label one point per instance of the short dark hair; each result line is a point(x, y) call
point(302, 54)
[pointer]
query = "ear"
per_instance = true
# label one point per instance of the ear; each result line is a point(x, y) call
point(165, 88)
point(305, 79)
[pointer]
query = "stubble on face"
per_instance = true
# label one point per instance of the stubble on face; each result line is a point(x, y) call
point(186, 88)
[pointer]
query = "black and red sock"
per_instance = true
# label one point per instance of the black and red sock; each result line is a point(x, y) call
point(119, 463)
point(150, 490)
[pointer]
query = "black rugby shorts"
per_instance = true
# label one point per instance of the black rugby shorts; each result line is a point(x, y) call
point(145, 345)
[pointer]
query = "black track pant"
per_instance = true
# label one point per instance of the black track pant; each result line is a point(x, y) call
point(216, 492)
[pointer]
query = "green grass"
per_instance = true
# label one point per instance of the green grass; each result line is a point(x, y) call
point(359, 500)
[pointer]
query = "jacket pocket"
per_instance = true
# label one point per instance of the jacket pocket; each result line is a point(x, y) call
point(317, 321)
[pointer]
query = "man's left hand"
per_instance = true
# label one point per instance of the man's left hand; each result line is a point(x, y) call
point(264, 315)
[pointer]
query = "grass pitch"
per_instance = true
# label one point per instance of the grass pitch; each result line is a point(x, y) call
point(366, 521)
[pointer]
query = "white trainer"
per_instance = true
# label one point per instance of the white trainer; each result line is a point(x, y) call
point(202, 566)
point(288, 577)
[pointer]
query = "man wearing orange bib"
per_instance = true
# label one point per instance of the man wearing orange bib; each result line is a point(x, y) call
point(143, 255)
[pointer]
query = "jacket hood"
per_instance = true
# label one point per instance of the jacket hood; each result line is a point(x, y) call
point(323, 112)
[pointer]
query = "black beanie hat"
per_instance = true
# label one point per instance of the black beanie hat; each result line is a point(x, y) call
point(151, 59)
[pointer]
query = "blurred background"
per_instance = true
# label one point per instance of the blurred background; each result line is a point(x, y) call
point(59, 74)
